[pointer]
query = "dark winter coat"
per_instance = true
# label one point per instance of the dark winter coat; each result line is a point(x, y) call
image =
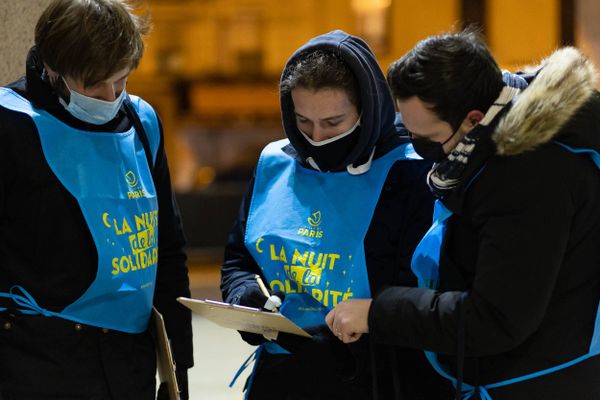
point(521, 257)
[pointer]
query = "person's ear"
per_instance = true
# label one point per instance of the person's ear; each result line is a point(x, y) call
point(473, 118)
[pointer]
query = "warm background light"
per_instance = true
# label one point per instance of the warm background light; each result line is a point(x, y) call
point(212, 67)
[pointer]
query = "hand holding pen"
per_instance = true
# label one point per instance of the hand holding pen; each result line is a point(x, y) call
point(273, 301)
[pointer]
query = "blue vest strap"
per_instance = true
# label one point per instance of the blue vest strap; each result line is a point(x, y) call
point(252, 357)
point(590, 152)
point(26, 301)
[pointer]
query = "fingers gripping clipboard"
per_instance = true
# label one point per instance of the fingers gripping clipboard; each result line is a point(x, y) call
point(242, 318)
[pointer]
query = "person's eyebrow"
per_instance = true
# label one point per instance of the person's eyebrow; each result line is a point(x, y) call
point(102, 82)
point(329, 119)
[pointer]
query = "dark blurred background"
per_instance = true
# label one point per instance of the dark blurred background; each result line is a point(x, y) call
point(211, 70)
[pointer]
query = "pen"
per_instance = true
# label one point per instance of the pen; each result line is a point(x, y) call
point(262, 286)
point(273, 302)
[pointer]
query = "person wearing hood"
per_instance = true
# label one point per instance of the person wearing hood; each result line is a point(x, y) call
point(509, 277)
point(334, 211)
point(84, 182)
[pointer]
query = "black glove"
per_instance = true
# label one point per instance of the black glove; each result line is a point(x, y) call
point(254, 297)
point(182, 382)
point(323, 348)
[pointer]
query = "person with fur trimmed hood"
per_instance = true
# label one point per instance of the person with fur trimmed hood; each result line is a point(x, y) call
point(509, 272)
point(334, 211)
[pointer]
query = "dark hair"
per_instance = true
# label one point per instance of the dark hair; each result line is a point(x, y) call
point(454, 72)
point(90, 40)
point(321, 69)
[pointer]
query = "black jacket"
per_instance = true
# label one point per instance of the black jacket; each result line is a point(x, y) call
point(401, 217)
point(46, 247)
point(520, 258)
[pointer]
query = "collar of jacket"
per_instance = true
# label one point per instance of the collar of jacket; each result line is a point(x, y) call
point(565, 82)
point(39, 92)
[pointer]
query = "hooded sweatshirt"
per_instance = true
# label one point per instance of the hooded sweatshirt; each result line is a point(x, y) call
point(377, 108)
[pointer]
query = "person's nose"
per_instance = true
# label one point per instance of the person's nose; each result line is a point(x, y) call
point(318, 134)
point(108, 92)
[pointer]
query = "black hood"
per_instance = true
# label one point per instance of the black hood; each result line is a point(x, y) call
point(377, 107)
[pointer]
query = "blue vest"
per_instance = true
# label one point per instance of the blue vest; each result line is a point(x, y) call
point(306, 230)
point(425, 265)
point(109, 176)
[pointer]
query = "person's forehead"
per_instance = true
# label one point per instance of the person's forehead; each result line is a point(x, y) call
point(321, 101)
point(417, 115)
point(119, 75)
point(326, 93)
point(110, 80)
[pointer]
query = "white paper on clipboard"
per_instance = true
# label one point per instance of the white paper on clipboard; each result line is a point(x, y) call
point(242, 318)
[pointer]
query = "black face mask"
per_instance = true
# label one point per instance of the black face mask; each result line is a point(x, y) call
point(330, 156)
point(428, 149)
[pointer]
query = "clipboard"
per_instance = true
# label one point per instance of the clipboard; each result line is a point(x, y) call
point(242, 318)
point(164, 357)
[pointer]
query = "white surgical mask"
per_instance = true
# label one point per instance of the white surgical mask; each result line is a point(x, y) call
point(91, 110)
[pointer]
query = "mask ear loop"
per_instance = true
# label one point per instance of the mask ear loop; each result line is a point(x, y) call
point(451, 136)
point(64, 86)
point(58, 85)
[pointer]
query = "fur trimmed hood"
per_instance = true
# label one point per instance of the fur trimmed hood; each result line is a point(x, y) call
point(565, 83)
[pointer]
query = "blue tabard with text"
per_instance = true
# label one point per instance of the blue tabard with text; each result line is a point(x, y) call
point(109, 176)
point(306, 228)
